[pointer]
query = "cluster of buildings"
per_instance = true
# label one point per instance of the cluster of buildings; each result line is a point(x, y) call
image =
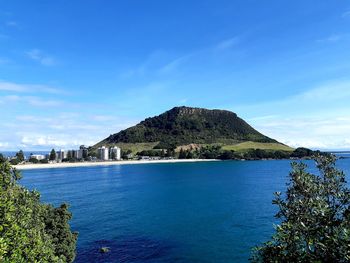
point(81, 153)
point(103, 154)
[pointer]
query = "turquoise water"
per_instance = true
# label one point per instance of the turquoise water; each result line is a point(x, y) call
point(183, 212)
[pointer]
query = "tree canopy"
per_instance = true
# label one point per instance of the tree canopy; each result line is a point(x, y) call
point(314, 215)
point(31, 231)
point(52, 156)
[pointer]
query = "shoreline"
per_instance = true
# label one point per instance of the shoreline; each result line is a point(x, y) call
point(106, 163)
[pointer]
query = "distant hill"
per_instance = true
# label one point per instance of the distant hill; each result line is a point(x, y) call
point(186, 125)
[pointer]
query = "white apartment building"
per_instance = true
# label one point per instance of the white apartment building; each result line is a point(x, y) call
point(79, 154)
point(116, 153)
point(38, 156)
point(103, 153)
point(61, 154)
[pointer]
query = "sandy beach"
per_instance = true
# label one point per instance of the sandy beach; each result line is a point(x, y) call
point(107, 163)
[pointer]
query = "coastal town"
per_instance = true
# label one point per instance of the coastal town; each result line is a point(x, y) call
point(85, 156)
point(102, 153)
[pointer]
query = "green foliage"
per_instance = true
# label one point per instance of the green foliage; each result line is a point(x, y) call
point(302, 152)
point(182, 154)
point(315, 217)
point(56, 225)
point(26, 234)
point(125, 154)
point(33, 160)
point(249, 145)
point(210, 152)
point(20, 156)
point(52, 156)
point(184, 125)
point(189, 155)
point(227, 155)
point(150, 153)
point(14, 161)
point(2, 158)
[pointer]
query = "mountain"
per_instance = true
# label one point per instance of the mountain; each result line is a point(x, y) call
point(188, 125)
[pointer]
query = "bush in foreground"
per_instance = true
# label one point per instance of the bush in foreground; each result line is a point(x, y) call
point(315, 217)
point(31, 231)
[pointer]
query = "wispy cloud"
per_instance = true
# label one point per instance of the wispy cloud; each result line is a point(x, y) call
point(11, 24)
point(40, 102)
point(174, 64)
point(4, 144)
point(4, 61)
point(183, 101)
point(346, 14)
point(31, 100)
point(41, 57)
point(27, 88)
point(336, 93)
point(163, 62)
point(59, 130)
point(303, 131)
point(102, 118)
point(307, 118)
point(330, 39)
point(3, 36)
point(228, 43)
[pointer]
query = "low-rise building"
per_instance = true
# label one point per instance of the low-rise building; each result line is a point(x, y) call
point(37, 156)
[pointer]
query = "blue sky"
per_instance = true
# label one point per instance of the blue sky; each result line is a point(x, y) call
point(73, 72)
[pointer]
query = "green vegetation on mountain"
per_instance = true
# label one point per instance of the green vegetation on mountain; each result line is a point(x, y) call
point(249, 145)
point(186, 125)
point(31, 231)
point(314, 216)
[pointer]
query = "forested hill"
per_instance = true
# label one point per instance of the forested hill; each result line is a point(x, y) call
point(186, 125)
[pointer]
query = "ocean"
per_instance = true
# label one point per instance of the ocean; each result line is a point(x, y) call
point(179, 212)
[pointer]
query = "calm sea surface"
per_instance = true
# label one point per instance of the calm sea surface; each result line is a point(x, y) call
point(183, 212)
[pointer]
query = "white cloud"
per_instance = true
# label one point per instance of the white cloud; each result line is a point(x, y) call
point(49, 141)
point(314, 132)
point(346, 14)
point(183, 101)
point(4, 60)
point(317, 118)
point(31, 100)
point(331, 38)
point(102, 118)
point(323, 99)
point(173, 64)
point(3, 144)
point(228, 43)
point(58, 130)
point(27, 88)
point(330, 91)
point(11, 24)
point(3, 36)
point(41, 57)
point(39, 102)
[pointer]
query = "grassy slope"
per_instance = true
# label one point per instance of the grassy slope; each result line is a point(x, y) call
point(239, 147)
point(244, 146)
point(134, 147)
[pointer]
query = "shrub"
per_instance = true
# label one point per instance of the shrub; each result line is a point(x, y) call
point(31, 231)
point(315, 217)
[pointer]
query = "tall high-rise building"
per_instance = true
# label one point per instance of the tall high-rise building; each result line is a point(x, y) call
point(115, 153)
point(103, 153)
point(60, 155)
